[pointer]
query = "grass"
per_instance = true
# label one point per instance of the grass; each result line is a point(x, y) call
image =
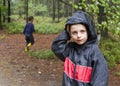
point(42, 54)
point(2, 37)
point(117, 73)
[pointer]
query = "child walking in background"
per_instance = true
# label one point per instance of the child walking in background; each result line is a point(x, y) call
point(28, 32)
point(77, 47)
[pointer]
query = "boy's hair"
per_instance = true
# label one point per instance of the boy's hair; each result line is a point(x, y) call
point(30, 18)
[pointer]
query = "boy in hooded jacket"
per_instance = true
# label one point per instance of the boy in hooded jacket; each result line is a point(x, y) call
point(28, 32)
point(77, 47)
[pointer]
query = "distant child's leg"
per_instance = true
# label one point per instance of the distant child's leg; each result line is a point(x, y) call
point(27, 43)
point(31, 39)
point(26, 49)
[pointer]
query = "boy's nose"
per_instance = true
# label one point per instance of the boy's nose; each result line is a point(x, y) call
point(79, 35)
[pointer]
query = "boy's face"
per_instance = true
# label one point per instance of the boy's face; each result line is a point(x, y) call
point(78, 34)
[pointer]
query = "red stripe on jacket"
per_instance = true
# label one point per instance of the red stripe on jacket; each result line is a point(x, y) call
point(81, 73)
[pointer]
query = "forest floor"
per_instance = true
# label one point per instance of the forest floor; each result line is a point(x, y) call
point(17, 68)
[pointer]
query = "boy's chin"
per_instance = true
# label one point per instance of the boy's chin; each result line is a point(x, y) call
point(79, 43)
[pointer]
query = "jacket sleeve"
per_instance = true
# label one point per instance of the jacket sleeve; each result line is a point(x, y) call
point(33, 28)
point(100, 70)
point(59, 45)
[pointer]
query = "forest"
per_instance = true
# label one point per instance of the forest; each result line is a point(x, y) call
point(39, 66)
point(50, 16)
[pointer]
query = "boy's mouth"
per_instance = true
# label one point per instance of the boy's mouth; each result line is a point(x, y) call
point(79, 40)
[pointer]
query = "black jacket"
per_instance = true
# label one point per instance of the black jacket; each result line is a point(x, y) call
point(84, 65)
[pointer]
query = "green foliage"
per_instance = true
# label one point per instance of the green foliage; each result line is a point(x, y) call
point(111, 10)
point(4, 10)
point(34, 8)
point(43, 25)
point(2, 37)
point(111, 51)
point(19, 5)
point(14, 28)
point(42, 54)
point(48, 28)
point(117, 30)
point(38, 9)
point(117, 73)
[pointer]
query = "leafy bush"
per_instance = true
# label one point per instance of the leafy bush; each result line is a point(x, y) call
point(14, 28)
point(111, 51)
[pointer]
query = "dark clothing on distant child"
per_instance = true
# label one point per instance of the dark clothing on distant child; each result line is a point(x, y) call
point(28, 31)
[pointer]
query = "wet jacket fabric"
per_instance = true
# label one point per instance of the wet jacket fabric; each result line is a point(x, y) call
point(84, 65)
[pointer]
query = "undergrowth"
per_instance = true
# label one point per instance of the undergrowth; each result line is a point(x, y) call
point(111, 51)
point(42, 54)
point(43, 25)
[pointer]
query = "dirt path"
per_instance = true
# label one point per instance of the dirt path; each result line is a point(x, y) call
point(19, 69)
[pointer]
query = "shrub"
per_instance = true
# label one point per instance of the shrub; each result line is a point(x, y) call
point(111, 50)
point(14, 28)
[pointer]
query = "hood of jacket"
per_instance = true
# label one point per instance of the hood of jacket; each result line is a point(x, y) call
point(82, 17)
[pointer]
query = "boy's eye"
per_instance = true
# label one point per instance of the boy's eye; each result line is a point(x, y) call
point(74, 32)
point(82, 31)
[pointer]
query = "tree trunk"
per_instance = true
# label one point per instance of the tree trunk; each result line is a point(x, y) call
point(66, 10)
point(53, 15)
point(4, 3)
point(9, 12)
point(26, 6)
point(0, 20)
point(58, 10)
point(101, 18)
